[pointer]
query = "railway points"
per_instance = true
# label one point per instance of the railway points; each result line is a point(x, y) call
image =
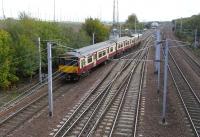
point(116, 99)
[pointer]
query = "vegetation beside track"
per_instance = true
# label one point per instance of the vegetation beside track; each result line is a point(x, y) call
point(184, 29)
point(18, 46)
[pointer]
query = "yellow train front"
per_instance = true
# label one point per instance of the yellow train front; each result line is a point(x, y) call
point(69, 66)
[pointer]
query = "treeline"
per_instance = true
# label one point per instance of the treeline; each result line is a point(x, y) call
point(133, 22)
point(19, 45)
point(185, 27)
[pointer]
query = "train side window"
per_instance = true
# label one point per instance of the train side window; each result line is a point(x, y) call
point(111, 49)
point(104, 53)
point(89, 59)
point(100, 54)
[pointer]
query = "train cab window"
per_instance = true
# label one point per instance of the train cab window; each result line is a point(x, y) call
point(90, 59)
point(73, 61)
point(61, 61)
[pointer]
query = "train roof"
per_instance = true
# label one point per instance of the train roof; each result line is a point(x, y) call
point(120, 39)
point(88, 50)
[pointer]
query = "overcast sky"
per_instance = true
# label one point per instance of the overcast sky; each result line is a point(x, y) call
point(78, 10)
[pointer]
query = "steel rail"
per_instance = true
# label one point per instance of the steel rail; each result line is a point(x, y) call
point(133, 69)
point(26, 93)
point(19, 111)
point(105, 88)
point(63, 126)
point(127, 78)
point(179, 92)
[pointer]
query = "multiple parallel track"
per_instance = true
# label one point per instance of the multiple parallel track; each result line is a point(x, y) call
point(86, 117)
point(187, 93)
point(31, 103)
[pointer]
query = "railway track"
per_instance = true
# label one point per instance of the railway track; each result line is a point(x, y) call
point(17, 116)
point(187, 94)
point(27, 110)
point(121, 115)
point(84, 117)
point(35, 88)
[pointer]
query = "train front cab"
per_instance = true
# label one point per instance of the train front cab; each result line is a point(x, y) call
point(69, 66)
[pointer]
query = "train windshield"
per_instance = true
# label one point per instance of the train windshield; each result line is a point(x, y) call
point(73, 61)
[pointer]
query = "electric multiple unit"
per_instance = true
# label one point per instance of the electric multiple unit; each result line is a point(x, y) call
point(80, 61)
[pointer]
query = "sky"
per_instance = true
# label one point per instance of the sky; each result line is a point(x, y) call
point(78, 10)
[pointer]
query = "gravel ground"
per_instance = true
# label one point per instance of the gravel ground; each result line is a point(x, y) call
point(150, 124)
point(41, 125)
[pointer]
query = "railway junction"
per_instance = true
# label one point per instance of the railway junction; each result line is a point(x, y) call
point(125, 97)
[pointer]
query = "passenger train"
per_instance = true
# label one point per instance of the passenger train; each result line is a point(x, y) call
point(78, 62)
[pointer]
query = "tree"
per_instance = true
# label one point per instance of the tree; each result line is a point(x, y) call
point(6, 72)
point(95, 26)
point(18, 45)
point(130, 22)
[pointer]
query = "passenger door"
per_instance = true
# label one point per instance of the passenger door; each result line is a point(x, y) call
point(95, 59)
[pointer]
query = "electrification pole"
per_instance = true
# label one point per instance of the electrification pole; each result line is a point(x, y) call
point(181, 25)
point(135, 24)
point(120, 30)
point(165, 83)
point(93, 38)
point(113, 13)
point(4, 17)
point(50, 96)
point(54, 11)
point(158, 58)
point(40, 63)
point(195, 38)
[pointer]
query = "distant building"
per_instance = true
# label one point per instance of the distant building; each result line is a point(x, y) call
point(154, 25)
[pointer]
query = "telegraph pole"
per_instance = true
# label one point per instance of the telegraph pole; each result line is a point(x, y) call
point(50, 96)
point(40, 63)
